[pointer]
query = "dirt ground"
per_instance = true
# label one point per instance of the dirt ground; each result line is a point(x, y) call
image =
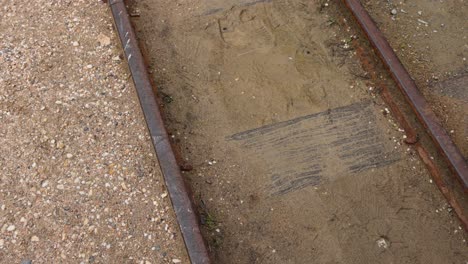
point(430, 38)
point(295, 159)
point(79, 182)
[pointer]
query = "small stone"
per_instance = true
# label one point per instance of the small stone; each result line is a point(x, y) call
point(164, 195)
point(176, 261)
point(394, 11)
point(69, 155)
point(104, 40)
point(44, 183)
point(60, 145)
point(34, 239)
point(423, 22)
point(60, 187)
point(2, 243)
point(75, 43)
point(186, 167)
point(11, 228)
point(116, 58)
point(383, 243)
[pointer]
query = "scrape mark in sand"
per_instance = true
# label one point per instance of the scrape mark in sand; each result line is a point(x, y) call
point(234, 3)
point(454, 87)
point(318, 148)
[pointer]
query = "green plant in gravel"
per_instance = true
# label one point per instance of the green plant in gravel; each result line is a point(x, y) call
point(331, 22)
point(167, 99)
point(210, 222)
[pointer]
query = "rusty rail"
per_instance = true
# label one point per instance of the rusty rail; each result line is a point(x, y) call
point(178, 192)
point(366, 61)
point(426, 116)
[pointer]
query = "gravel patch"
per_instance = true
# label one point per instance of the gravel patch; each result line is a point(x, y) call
point(79, 181)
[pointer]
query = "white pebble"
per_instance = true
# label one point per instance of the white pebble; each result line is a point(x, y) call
point(45, 183)
point(383, 243)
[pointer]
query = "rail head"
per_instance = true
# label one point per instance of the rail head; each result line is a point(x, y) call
point(407, 86)
point(184, 209)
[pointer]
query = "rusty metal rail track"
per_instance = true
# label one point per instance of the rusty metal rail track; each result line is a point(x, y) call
point(408, 87)
point(178, 192)
point(365, 58)
point(184, 209)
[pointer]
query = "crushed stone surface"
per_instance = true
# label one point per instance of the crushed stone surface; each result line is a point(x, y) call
point(79, 182)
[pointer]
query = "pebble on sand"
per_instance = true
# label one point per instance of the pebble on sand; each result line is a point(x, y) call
point(383, 243)
point(104, 40)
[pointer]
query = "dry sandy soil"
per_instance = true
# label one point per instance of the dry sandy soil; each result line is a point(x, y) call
point(295, 157)
point(79, 182)
point(431, 39)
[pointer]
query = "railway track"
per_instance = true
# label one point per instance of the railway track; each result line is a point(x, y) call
point(447, 148)
point(178, 192)
point(401, 76)
point(180, 196)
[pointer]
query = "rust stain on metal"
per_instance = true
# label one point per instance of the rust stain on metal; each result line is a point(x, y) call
point(363, 56)
point(178, 191)
point(437, 177)
point(412, 138)
point(442, 140)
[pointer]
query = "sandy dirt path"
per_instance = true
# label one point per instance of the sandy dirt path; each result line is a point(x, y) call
point(295, 157)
